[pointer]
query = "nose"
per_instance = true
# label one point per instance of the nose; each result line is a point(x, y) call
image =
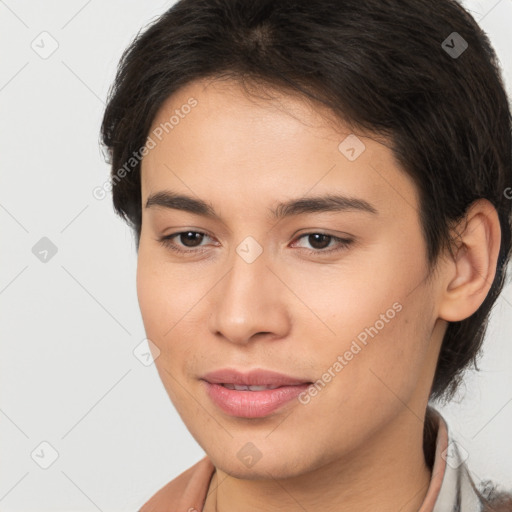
point(250, 300)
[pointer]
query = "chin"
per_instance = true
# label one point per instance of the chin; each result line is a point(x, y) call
point(274, 465)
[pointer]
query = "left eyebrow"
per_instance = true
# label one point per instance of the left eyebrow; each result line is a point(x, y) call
point(311, 204)
point(326, 203)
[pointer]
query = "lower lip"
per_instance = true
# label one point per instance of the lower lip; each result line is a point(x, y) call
point(252, 404)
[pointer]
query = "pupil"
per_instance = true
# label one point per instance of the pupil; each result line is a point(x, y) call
point(316, 238)
point(190, 236)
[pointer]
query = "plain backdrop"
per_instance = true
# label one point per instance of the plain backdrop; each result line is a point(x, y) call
point(75, 398)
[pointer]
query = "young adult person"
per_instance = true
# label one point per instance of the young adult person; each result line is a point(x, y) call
point(318, 192)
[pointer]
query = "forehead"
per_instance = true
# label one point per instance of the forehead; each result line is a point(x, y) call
point(213, 137)
point(247, 122)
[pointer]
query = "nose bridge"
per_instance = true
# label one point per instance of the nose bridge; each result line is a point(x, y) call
point(248, 300)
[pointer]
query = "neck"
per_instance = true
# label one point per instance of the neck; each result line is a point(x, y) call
point(388, 473)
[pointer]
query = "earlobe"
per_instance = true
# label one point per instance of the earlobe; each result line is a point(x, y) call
point(471, 270)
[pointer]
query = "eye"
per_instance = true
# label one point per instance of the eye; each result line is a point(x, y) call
point(190, 240)
point(319, 241)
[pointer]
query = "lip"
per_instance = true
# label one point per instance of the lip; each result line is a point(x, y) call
point(255, 377)
point(252, 404)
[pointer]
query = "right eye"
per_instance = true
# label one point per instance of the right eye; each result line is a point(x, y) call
point(185, 237)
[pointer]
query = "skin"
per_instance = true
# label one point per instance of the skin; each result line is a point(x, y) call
point(357, 445)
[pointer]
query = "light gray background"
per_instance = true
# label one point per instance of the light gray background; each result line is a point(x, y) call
point(69, 326)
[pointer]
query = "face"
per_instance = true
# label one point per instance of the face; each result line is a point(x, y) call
point(332, 293)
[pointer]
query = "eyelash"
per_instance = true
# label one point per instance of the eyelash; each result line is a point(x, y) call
point(166, 241)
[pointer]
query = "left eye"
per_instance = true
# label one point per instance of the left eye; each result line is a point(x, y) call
point(189, 239)
point(321, 240)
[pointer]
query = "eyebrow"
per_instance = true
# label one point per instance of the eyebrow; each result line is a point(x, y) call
point(311, 204)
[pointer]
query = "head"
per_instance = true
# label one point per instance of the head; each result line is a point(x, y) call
point(221, 113)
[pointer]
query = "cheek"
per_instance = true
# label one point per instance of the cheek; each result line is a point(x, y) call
point(340, 302)
point(367, 325)
point(149, 294)
point(162, 304)
point(367, 372)
point(164, 291)
point(170, 303)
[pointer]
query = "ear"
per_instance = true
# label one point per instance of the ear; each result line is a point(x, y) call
point(470, 271)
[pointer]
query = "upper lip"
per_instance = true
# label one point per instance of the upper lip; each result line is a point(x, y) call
point(256, 377)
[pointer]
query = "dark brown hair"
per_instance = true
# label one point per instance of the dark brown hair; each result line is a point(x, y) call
point(421, 73)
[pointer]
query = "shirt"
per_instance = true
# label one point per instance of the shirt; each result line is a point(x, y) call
point(451, 488)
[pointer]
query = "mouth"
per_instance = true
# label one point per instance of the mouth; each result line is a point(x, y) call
point(253, 380)
point(253, 394)
point(253, 401)
point(249, 388)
